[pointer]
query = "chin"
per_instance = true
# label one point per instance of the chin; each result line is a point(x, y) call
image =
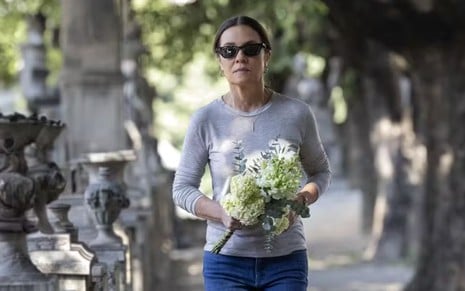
point(246, 80)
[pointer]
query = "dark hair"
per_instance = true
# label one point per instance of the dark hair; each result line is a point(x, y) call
point(242, 20)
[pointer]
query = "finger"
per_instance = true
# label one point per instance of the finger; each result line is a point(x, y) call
point(234, 224)
point(302, 199)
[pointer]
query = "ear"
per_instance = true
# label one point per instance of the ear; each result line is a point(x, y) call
point(267, 57)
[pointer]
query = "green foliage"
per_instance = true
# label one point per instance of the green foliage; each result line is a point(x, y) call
point(12, 32)
point(179, 97)
point(174, 33)
point(180, 41)
point(12, 21)
point(180, 38)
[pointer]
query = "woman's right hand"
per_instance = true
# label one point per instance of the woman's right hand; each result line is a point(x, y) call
point(230, 222)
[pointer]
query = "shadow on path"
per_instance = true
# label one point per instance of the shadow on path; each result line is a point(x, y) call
point(336, 245)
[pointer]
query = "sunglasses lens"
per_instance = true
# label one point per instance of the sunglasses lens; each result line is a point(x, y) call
point(228, 52)
point(252, 50)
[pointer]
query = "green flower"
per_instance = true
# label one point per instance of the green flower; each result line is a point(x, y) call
point(264, 192)
point(244, 202)
point(279, 176)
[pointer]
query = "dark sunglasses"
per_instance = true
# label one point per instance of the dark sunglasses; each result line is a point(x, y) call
point(230, 51)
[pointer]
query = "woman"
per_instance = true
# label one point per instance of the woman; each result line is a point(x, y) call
point(254, 115)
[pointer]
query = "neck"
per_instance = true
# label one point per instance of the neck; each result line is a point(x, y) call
point(247, 99)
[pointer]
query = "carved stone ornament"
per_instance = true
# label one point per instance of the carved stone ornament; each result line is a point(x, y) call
point(17, 195)
point(105, 196)
point(49, 180)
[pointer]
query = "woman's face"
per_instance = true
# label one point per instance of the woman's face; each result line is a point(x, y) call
point(243, 69)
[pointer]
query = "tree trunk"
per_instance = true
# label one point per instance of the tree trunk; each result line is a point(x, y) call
point(432, 34)
point(360, 155)
point(393, 198)
point(439, 75)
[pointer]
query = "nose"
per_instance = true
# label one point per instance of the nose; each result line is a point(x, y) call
point(240, 57)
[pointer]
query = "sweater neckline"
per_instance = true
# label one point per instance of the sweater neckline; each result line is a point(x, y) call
point(257, 111)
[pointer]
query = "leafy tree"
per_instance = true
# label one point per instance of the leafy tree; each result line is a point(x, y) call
point(176, 33)
point(12, 21)
point(181, 35)
point(430, 36)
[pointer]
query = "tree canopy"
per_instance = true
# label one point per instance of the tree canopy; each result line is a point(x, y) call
point(12, 20)
point(175, 33)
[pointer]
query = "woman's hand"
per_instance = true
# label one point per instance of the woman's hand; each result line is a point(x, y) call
point(308, 195)
point(230, 222)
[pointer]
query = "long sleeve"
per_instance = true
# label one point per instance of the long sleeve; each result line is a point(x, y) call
point(191, 168)
point(314, 159)
point(210, 140)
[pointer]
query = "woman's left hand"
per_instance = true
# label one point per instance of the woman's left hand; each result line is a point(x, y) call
point(308, 195)
point(302, 198)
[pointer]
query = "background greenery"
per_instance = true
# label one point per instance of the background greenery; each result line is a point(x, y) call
point(180, 63)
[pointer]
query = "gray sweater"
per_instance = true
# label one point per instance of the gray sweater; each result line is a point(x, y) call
point(210, 139)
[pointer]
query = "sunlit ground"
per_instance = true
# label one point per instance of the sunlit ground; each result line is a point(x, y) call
point(336, 246)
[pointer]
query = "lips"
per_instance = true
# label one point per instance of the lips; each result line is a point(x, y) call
point(241, 70)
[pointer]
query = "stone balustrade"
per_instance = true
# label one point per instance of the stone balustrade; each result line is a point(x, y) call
point(20, 191)
point(38, 254)
point(90, 240)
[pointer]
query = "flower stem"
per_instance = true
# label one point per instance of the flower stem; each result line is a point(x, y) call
point(220, 244)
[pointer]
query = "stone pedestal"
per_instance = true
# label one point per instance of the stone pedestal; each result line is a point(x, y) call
point(56, 254)
point(16, 265)
point(10, 284)
point(114, 257)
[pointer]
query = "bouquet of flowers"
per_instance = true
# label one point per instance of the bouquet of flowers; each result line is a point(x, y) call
point(264, 193)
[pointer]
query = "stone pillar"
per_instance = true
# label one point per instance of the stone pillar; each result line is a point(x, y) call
point(151, 215)
point(138, 96)
point(34, 72)
point(41, 99)
point(91, 82)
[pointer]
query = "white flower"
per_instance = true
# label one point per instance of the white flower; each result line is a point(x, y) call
point(244, 202)
point(265, 191)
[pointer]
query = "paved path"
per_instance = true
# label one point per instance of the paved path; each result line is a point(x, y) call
point(336, 246)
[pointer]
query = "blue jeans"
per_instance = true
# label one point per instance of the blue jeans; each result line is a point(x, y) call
point(230, 273)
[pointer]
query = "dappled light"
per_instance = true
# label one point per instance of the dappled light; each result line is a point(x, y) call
point(382, 79)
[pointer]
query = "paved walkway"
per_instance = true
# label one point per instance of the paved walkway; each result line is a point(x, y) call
point(336, 246)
